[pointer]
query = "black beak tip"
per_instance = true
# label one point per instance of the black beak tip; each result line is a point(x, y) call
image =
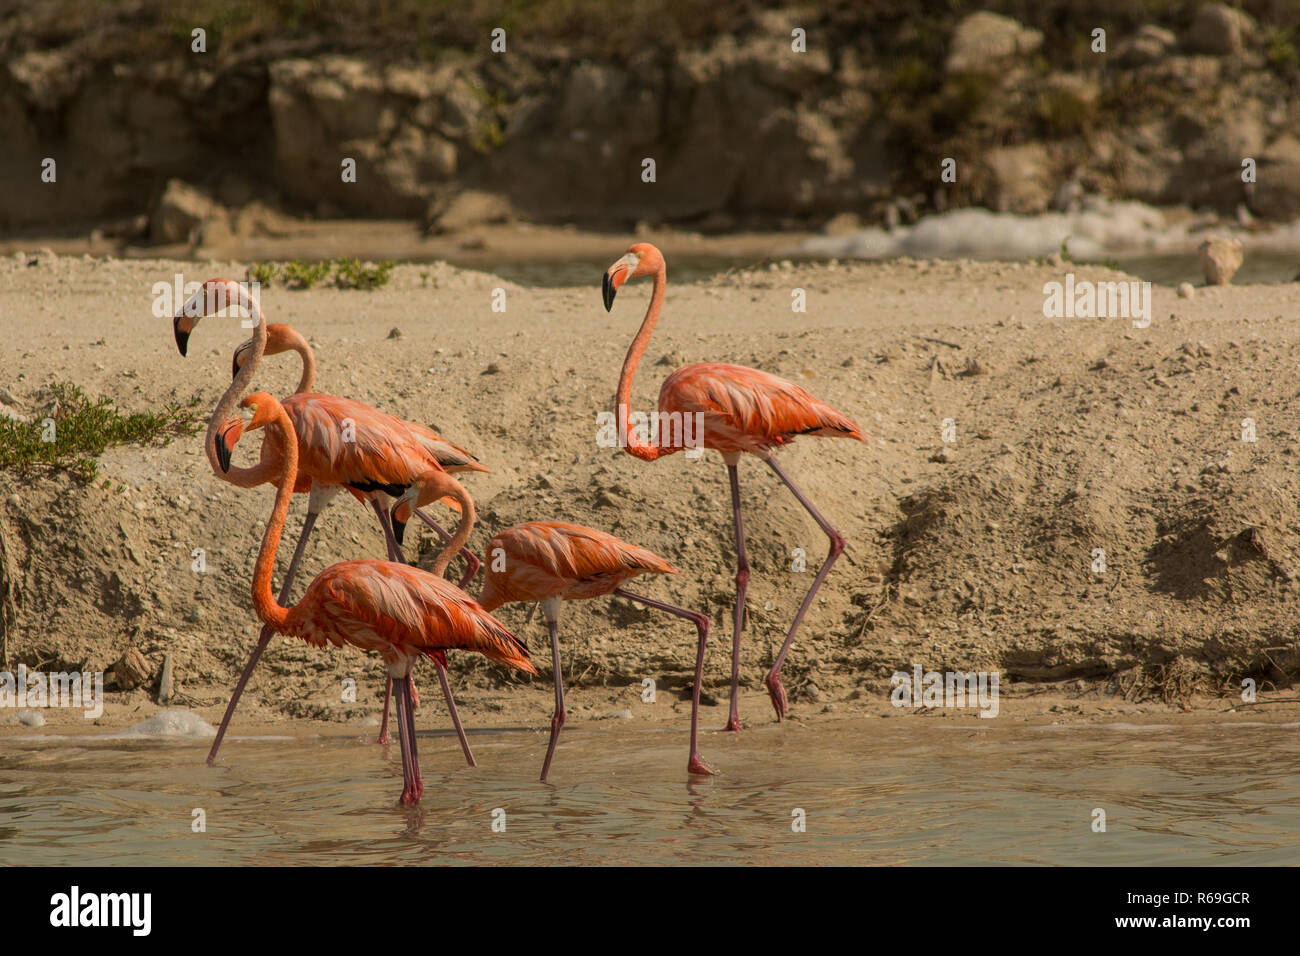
point(182, 338)
point(607, 291)
point(223, 453)
point(399, 531)
point(234, 365)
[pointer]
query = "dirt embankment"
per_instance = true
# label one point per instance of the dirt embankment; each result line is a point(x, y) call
point(1072, 437)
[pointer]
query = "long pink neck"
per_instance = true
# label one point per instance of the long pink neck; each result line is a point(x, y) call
point(635, 445)
point(304, 350)
point(242, 477)
point(268, 609)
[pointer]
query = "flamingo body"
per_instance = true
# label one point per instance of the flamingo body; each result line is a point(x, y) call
point(746, 410)
point(553, 559)
point(401, 613)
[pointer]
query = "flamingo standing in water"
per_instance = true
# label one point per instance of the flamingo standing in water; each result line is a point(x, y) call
point(385, 606)
point(453, 458)
point(550, 562)
point(743, 411)
point(385, 458)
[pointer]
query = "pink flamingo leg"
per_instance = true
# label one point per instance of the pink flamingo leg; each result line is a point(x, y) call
point(472, 562)
point(388, 696)
point(694, 764)
point(394, 549)
point(742, 582)
point(264, 638)
point(455, 717)
point(557, 719)
point(383, 727)
point(774, 688)
point(412, 781)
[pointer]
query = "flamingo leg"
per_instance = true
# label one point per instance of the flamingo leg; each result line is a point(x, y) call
point(412, 780)
point(742, 583)
point(455, 717)
point(388, 696)
point(773, 680)
point(694, 764)
point(394, 549)
point(557, 719)
point(264, 638)
point(383, 727)
point(472, 562)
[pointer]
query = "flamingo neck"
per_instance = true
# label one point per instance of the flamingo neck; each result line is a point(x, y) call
point(634, 444)
point(304, 350)
point(269, 610)
point(243, 477)
point(463, 529)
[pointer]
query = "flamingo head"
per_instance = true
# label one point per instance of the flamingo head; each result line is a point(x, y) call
point(277, 341)
point(226, 440)
point(265, 409)
point(642, 259)
point(213, 297)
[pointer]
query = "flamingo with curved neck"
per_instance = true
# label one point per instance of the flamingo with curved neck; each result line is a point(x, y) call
point(418, 474)
point(741, 411)
point(399, 611)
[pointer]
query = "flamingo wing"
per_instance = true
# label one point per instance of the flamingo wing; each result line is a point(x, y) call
point(400, 612)
point(350, 443)
point(748, 410)
point(544, 559)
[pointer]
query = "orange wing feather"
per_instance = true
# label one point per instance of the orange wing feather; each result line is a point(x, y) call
point(545, 559)
point(748, 410)
point(400, 612)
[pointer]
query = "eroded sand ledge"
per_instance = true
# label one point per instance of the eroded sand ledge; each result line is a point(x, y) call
point(1072, 435)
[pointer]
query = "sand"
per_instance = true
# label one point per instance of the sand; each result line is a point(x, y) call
point(1071, 435)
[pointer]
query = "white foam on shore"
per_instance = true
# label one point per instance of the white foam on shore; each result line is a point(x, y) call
point(1098, 230)
point(172, 722)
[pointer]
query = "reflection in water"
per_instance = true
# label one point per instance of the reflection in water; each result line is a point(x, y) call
point(872, 791)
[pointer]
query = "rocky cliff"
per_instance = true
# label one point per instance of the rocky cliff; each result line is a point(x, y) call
point(754, 116)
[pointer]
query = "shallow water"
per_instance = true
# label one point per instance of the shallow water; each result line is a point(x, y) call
point(873, 791)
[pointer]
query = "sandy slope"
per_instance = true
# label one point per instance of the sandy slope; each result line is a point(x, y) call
point(1072, 434)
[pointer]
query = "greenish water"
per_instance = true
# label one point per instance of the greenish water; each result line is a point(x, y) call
point(872, 792)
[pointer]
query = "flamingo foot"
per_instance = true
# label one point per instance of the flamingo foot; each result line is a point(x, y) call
point(410, 795)
point(733, 726)
point(382, 739)
point(777, 693)
point(698, 766)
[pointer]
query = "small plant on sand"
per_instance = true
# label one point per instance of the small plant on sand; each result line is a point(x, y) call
point(304, 275)
point(263, 273)
point(83, 429)
point(353, 274)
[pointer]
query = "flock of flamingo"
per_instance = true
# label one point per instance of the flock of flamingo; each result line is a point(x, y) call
point(319, 445)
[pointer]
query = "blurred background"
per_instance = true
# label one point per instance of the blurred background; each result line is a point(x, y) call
point(814, 130)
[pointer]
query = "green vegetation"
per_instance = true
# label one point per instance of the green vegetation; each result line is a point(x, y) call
point(82, 430)
point(303, 275)
point(348, 273)
point(352, 274)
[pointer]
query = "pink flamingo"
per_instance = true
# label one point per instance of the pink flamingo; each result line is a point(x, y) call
point(551, 562)
point(743, 411)
point(387, 457)
point(399, 611)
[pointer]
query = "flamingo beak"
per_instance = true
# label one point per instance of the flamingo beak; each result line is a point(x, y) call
point(235, 363)
point(615, 276)
point(399, 527)
point(225, 444)
point(182, 326)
